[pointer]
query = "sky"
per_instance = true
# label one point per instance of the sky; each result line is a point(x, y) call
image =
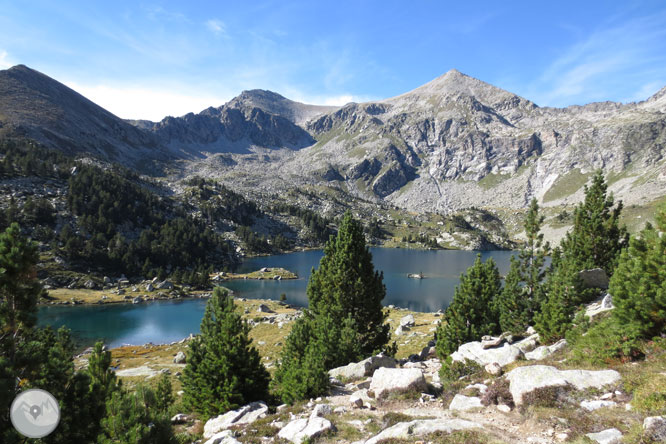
point(146, 60)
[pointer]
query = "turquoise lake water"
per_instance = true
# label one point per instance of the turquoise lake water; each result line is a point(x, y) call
point(168, 321)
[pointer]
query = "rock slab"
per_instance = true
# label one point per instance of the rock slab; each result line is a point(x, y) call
point(299, 430)
point(397, 380)
point(609, 436)
point(524, 380)
point(225, 437)
point(474, 351)
point(244, 415)
point(421, 427)
point(358, 370)
point(655, 428)
point(463, 403)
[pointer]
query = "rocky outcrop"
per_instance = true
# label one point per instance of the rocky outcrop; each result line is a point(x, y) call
point(245, 415)
point(421, 427)
point(608, 436)
point(463, 403)
point(594, 278)
point(525, 380)
point(303, 429)
point(358, 370)
point(225, 437)
point(397, 380)
point(474, 351)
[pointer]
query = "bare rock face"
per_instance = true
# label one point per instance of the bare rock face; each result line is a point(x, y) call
point(225, 437)
point(303, 429)
point(420, 427)
point(397, 380)
point(609, 436)
point(245, 415)
point(474, 351)
point(366, 367)
point(524, 380)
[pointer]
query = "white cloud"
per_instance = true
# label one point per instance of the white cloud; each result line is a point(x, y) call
point(4, 60)
point(616, 59)
point(146, 103)
point(217, 27)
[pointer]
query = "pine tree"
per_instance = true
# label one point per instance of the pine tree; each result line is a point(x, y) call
point(345, 319)
point(596, 237)
point(638, 285)
point(472, 312)
point(523, 289)
point(512, 302)
point(133, 417)
point(346, 285)
point(223, 370)
point(164, 394)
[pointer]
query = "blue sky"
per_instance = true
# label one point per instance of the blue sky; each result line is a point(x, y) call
point(150, 59)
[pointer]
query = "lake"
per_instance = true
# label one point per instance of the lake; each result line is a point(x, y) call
point(168, 321)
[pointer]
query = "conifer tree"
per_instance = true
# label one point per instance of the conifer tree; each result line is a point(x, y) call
point(523, 289)
point(223, 370)
point(164, 394)
point(345, 319)
point(638, 285)
point(472, 312)
point(346, 285)
point(596, 237)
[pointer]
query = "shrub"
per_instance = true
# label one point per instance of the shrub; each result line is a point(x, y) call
point(498, 393)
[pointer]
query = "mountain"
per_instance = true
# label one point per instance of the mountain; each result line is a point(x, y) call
point(453, 143)
point(34, 105)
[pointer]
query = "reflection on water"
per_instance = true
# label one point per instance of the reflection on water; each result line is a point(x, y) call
point(168, 321)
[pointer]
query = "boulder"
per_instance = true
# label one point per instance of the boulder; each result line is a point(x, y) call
point(225, 437)
point(303, 429)
point(401, 330)
point(244, 415)
point(355, 401)
point(321, 410)
point(474, 351)
point(528, 344)
point(524, 380)
point(397, 380)
point(106, 279)
point(609, 436)
point(421, 427)
point(150, 287)
point(165, 285)
point(545, 350)
point(493, 369)
point(490, 342)
point(464, 403)
point(263, 308)
point(137, 300)
point(407, 321)
point(179, 358)
point(90, 284)
point(594, 278)
point(180, 418)
point(596, 405)
point(655, 428)
point(358, 370)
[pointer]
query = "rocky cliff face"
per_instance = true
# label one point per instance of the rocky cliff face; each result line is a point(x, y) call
point(453, 143)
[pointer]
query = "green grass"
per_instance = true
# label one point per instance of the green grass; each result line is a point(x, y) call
point(566, 185)
point(492, 180)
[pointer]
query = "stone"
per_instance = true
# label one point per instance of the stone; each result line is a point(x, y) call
point(362, 369)
point(303, 429)
point(594, 278)
point(137, 300)
point(503, 408)
point(321, 410)
point(165, 285)
point(224, 437)
point(463, 403)
point(482, 388)
point(596, 404)
point(397, 380)
point(180, 418)
point(427, 352)
point(407, 321)
point(179, 358)
point(263, 308)
point(607, 301)
point(528, 344)
point(244, 415)
point(90, 284)
point(524, 380)
point(655, 428)
point(401, 330)
point(474, 351)
point(490, 342)
point(421, 427)
point(150, 287)
point(609, 436)
point(530, 330)
point(106, 279)
point(493, 369)
point(545, 350)
point(356, 401)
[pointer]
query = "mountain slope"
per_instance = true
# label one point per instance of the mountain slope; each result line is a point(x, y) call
point(36, 106)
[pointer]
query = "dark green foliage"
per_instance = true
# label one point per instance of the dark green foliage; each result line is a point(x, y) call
point(34, 357)
point(639, 283)
point(223, 369)
point(135, 418)
point(164, 394)
point(25, 158)
point(347, 287)
point(451, 371)
point(101, 376)
point(512, 303)
point(603, 344)
point(317, 225)
point(523, 289)
point(345, 320)
point(219, 202)
point(253, 241)
point(472, 313)
point(596, 238)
